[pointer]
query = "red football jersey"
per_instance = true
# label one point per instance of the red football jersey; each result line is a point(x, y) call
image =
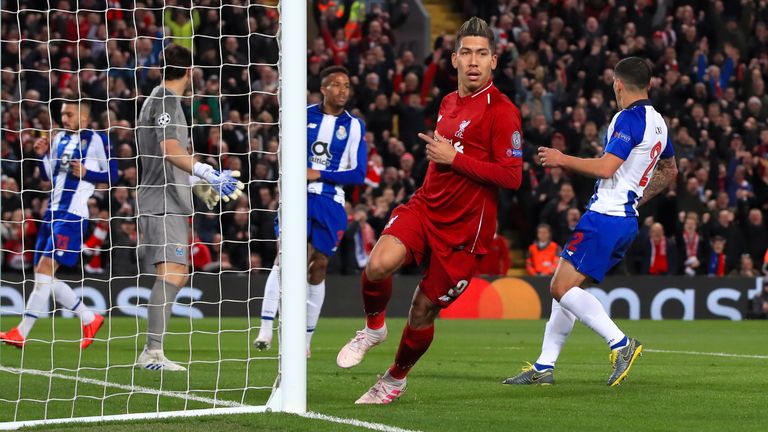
point(460, 201)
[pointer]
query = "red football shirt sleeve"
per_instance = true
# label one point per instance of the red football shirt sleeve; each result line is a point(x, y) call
point(506, 166)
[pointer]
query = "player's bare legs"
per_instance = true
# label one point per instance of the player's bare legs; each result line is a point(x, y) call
point(387, 256)
point(171, 277)
point(45, 283)
point(565, 288)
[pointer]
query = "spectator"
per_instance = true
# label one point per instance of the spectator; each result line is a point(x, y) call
point(746, 267)
point(690, 246)
point(357, 243)
point(759, 304)
point(656, 254)
point(544, 254)
point(554, 213)
point(496, 261)
point(717, 262)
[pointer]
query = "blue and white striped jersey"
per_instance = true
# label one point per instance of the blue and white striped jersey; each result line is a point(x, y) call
point(336, 147)
point(638, 135)
point(70, 193)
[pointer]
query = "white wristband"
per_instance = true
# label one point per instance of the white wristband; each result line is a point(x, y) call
point(201, 169)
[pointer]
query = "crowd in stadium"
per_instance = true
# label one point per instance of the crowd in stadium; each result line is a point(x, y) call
point(555, 59)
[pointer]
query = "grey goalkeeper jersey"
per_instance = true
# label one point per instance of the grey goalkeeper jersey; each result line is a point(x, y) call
point(163, 187)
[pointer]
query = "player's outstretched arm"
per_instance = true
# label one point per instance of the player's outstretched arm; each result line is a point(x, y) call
point(603, 167)
point(225, 183)
point(663, 176)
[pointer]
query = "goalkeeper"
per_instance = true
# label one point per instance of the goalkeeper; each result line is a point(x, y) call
point(164, 202)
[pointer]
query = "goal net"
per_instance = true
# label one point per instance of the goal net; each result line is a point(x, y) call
point(110, 54)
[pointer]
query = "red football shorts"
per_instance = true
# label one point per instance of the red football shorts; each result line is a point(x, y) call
point(447, 272)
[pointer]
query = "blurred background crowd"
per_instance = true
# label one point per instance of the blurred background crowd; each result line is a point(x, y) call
point(555, 59)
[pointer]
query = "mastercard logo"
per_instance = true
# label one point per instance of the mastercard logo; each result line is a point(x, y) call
point(504, 298)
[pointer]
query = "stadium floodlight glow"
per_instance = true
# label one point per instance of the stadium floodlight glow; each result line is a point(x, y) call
point(50, 381)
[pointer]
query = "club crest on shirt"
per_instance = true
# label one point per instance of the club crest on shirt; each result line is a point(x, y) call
point(341, 133)
point(463, 125)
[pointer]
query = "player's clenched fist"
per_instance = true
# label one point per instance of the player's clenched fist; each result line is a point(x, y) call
point(550, 157)
point(439, 150)
point(41, 146)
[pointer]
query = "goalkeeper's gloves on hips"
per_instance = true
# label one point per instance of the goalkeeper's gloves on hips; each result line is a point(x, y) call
point(225, 183)
point(203, 190)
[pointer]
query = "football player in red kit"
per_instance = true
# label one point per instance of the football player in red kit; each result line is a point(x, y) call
point(450, 221)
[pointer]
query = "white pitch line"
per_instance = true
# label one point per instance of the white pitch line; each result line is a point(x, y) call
point(141, 389)
point(710, 354)
point(354, 422)
point(231, 404)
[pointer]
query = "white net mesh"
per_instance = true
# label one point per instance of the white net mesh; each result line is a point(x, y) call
point(111, 53)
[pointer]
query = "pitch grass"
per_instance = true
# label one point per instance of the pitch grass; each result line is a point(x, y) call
point(455, 387)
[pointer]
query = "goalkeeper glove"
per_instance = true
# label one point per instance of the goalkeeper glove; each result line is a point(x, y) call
point(203, 190)
point(225, 183)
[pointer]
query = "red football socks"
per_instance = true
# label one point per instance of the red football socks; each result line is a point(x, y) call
point(413, 345)
point(376, 295)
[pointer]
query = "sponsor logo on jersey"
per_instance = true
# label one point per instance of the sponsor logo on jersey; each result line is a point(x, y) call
point(341, 133)
point(658, 130)
point(459, 148)
point(622, 136)
point(163, 119)
point(321, 154)
point(463, 125)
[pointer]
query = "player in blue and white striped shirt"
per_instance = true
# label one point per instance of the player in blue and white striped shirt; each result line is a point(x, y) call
point(74, 162)
point(337, 157)
point(638, 163)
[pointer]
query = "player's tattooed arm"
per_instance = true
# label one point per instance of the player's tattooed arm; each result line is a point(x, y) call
point(665, 174)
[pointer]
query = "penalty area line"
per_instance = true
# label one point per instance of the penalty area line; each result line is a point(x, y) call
point(354, 422)
point(130, 388)
point(709, 354)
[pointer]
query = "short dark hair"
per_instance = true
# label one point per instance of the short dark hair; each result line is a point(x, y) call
point(80, 102)
point(330, 70)
point(476, 27)
point(634, 72)
point(177, 61)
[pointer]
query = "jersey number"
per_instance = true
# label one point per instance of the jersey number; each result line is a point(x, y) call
point(655, 153)
point(578, 236)
point(456, 291)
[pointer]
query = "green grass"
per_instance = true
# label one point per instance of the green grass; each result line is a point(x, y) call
point(455, 387)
